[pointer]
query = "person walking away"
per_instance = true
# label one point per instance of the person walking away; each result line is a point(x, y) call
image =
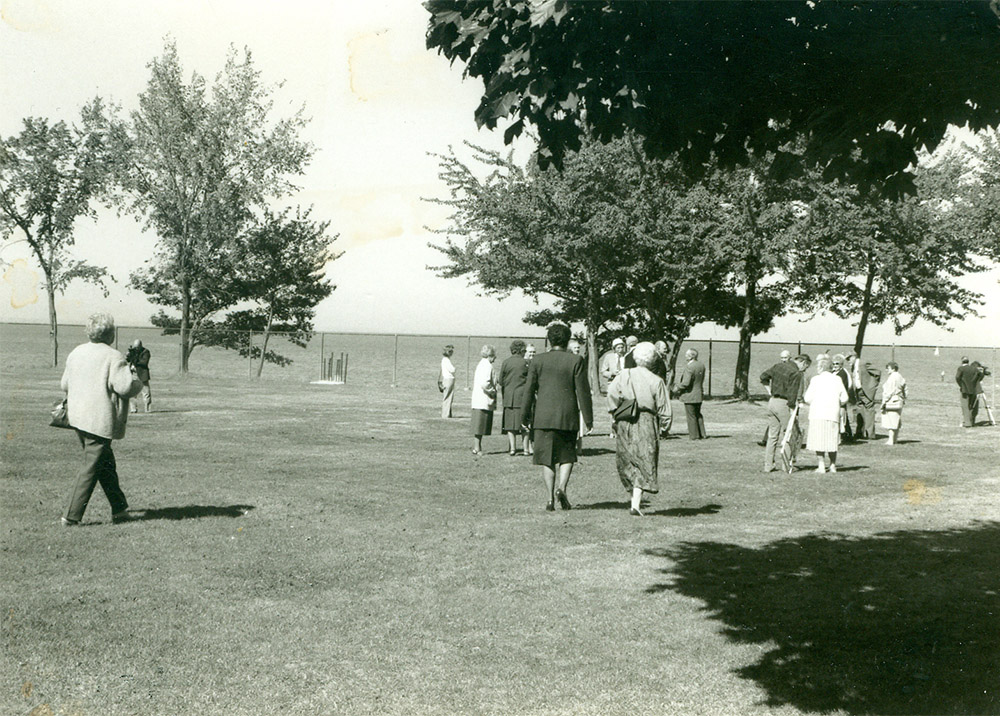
point(783, 381)
point(138, 360)
point(513, 373)
point(893, 400)
point(637, 446)
point(446, 381)
point(840, 370)
point(690, 392)
point(98, 384)
point(867, 381)
point(484, 398)
point(826, 395)
point(529, 355)
point(576, 348)
point(628, 360)
point(557, 392)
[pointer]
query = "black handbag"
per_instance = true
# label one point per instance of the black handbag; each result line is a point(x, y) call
point(60, 414)
point(628, 409)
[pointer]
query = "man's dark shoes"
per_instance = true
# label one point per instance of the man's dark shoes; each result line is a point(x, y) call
point(66, 522)
point(120, 517)
point(563, 502)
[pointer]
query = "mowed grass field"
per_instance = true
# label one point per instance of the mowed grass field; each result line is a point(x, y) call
point(338, 550)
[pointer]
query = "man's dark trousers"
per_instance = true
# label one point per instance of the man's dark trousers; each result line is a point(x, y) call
point(98, 466)
point(696, 423)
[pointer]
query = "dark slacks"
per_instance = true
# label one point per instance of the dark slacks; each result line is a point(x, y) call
point(696, 423)
point(970, 409)
point(98, 467)
point(864, 421)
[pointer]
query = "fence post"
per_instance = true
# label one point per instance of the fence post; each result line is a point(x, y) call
point(322, 355)
point(893, 359)
point(250, 354)
point(709, 367)
point(346, 356)
point(116, 337)
point(800, 349)
point(468, 364)
point(395, 356)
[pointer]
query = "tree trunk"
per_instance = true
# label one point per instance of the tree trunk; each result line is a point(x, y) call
point(675, 352)
point(53, 322)
point(592, 358)
point(741, 382)
point(866, 309)
point(185, 324)
point(267, 335)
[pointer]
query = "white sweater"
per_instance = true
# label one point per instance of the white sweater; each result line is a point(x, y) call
point(98, 384)
point(825, 395)
point(482, 386)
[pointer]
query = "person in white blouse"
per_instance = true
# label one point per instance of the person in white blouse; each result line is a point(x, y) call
point(893, 400)
point(484, 398)
point(446, 381)
point(825, 395)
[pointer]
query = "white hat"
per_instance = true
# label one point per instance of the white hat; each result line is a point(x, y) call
point(617, 342)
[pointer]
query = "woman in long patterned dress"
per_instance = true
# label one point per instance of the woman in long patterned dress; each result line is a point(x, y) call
point(638, 443)
point(825, 395)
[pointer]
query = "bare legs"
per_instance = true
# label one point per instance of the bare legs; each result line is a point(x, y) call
point(893, 434)
point(821, 467)
point(636, 501)
point(512, 443)
point(477, 444)
point(556, 479)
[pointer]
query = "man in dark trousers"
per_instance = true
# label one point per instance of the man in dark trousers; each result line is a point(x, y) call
point(866, 382)
point(138, 359)
point(784, 384)
point(968, 377)
point(689, 391)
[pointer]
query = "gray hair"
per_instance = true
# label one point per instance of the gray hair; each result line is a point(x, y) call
point(692, 352)
point(661, 347)
point(488, 351)
point(101, 328)
point(822, 363)
point(839, 358)
point(644, 354)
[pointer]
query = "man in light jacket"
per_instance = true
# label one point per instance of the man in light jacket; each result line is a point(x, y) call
point(98, 384)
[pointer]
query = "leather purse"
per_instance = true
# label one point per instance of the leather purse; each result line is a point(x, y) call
point(628, 409)
point(60, 414)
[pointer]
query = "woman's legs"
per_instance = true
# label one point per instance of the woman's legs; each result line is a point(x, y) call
point(636, 500)
point(833, 460)
point(511, 442)
point(892, 436)
point(477, 444)
point(549, 475)
point(821, 462)
point(564, 469)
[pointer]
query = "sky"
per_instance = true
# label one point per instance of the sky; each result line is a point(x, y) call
point(380, 105)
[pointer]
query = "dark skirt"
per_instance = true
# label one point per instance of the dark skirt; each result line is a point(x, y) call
point(554, 447)
point(482, 422)
point(638, 452)
point(511, 420)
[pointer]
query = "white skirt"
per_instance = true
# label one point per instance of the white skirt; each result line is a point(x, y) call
point(823, 435)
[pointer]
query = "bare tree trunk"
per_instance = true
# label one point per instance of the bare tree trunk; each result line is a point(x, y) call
point(185, 324)
point(267, 336)
point(675, 352)
point(741, 383)
point(866, 309)
point(592, 358)
point(53, 321)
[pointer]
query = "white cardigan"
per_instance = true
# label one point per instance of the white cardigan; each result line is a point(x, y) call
point(98, 384)
point(825, 395)
point(482, 383)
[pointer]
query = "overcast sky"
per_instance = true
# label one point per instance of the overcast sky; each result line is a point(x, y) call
point(379, 102)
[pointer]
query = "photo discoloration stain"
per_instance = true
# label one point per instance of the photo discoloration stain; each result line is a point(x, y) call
point(918, 493)
point(23, 283)
point(27, 16)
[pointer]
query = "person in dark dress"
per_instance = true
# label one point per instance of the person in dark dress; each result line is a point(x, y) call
point(513, 374)
point(556, 394)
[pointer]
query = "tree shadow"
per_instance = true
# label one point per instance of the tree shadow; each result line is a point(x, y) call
point(907, 442)
point(898, 623)
point(190, 512)
point(591, 452)
point(622, 505)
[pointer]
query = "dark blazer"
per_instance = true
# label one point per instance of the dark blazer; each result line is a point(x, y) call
point(557, 392)
point(689, 387)
point(968, 377)
point(513, 375)
point(139, 359)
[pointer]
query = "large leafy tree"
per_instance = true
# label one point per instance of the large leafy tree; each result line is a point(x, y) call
point(878, 260)
point(50, 175)
point(867, 83)
point(196, 163)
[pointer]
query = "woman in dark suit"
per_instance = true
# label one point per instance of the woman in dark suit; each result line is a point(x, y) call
point(556, 394)
point(513, 374)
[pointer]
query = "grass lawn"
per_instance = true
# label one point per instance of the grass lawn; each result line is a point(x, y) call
point(339, 550)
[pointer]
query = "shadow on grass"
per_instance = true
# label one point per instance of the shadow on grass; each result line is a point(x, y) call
point(591, 452)
point(686, 511)
point(899, 623)
point(191, 512)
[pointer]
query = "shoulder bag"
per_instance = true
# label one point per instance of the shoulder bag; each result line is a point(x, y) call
point(628, 409)
point(60, 414)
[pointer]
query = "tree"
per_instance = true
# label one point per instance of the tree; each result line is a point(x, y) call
point(881, 260)
point(195, 164)
point(733, 78)
point(49, 176)
point(281, 271)
point(971, 188)
point(541, 232)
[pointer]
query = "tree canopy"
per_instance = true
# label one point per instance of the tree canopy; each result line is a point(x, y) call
point(867, 83)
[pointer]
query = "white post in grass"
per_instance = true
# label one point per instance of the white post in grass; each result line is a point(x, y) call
point(250, 354)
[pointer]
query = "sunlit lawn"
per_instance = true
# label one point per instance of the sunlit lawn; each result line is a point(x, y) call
point(313, 549)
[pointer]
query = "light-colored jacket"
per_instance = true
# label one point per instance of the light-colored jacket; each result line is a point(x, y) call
point(649, 389)
point(825, 394)
point(894, 391)
point(484, 389)
point(98, 384)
